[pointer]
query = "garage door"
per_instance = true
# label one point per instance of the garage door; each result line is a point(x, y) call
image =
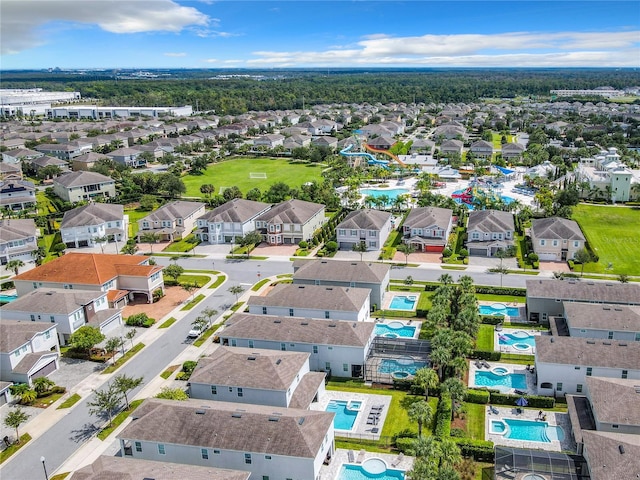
point(3, 398)
point(106, 327)
point(434, 248)
point(479, 252)
point(547, 257)
point(46, 370)
point(346, 245)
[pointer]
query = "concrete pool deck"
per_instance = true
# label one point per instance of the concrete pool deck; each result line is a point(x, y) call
point(410, 323)
point(386, 303)
point(510, 348)
point(341, 457)
point(553, 419)
point(512, 368)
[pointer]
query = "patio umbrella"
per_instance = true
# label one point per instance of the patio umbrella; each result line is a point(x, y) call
point(522, 402)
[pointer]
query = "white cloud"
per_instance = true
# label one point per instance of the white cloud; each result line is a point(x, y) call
point(513, 49)
point(211, 60)
point(22, 20)
point(175, 54)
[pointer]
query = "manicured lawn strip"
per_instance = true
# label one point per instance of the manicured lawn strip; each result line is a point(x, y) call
point(357, 445)
point(199, 280)
point(236, 172)
point(167, 373)
point(122, 360)
point(488, 297)
point(118, 419)
point(449, 267)
point(485, 338)
point(517, 359)
point(475, 420)
point(406, 288)
point(181, 255)
point(612, 235)
point(69, 402)
point(525, 272)
point(284, 275)
point(252, 257)
point(7, 452)
point(44, 402)
point(257, 286)
point(167, 323)
point(203, 338)
point(424, 302)
point(187, 244)
point(219, 281)
point(212, 272)
point(235, 307)
point(193, 302)
point(134, 216)
point(60, 476)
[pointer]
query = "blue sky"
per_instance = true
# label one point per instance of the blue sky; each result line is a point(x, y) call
point(313, 33)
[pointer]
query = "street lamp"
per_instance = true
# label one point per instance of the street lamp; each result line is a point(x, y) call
point(44, 466)
point(258, 272)
point(213, 265)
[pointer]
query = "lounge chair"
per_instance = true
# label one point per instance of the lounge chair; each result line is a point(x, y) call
point(485, 364)
point(375, 430)
point(397, 460)
point(478, 364)
point(494, 410)
point(371, 421)
point(361, 455)
point(351, 456)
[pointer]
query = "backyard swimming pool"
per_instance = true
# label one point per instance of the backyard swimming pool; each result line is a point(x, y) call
point(499, 309)
point(519, 340)
point(7, 298)
point(403, 302)
point(346, 413)
point(526, 430)
point(407, 365)
point(371, 468)
point(392, 193)
point(394, 330)
point(501, 381)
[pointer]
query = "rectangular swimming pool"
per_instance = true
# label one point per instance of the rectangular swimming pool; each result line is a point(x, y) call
point(527, 430)
point(389, 365)
point(346, 413)
point(403, 302)
point(501, 382)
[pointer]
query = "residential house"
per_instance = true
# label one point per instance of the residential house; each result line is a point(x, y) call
point(512, 151)
point(18, 240)
point(130, 157)
point(171, 221)
point(313, 301)
point(231, 221)
point(421, 145)
point(481, 149)
point(118, 275)
point(82, 186)
point(611, 455)
point(449, 131)
point(10, 171)
point(269, 442)
point(257, 376)
point(427, 229)
point(68, 309)
point(328, 142)
point(82, 226)
point(46, 161)
point(372, 276)
point(611, 322)
point(615, 404)
point(451, 146)
point(545, 169)
point(369, 226)
point(556, 239)
point(340, 348)
point(5, 392)
point(271, 140)
point(16, 156)
point(17, 195)
point(109, 467)
point(27, 350)
point(290, 222)
point(381, 143)
point(65, 151)
point(87, 161)
point(563, 363)
point(489, 231)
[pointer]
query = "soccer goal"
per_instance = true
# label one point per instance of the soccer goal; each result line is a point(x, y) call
point(222, 189)
point(257, 175)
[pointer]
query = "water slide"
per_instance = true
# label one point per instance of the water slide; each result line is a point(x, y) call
point(384, 152)
point(372, 160)
point(465, 196)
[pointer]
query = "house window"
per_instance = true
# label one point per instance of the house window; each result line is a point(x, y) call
point(345, 367)
point(542, 242)
point(327, 314)
point(265, 477)
point(283, 346)
point(138, 446)
point(342, 232)
point(372, 233)
point(559, 386)
point(216, 451)
point(161, 449)
point(267, 457)
point(637, 337)
point(352, 284)
point(354, 233)
point(576, 243)
point(47, 334)
point(610, 335)
point(576, 368)
point(214, 390)
point(579, 388)
point(373, 244)
point(250, 343)
point(33, 317)
point(230, 389)
point(475, 235)
point(589, 371)
point(234, 342)
point(615, 426)
point(316, 282)
point(240, 393)
point(264, 310)
point(327, 365)
point(555, 243)
point(315, 349)
point(52, 318)
point(291, 312)
point(247, 458)
point(625, 373)
point(205, 453)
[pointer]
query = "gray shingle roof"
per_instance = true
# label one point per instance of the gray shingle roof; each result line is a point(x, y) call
point(367, 219)
point(605, 458)
point(556, 228)
point(270, 430)
point(603, 317)
point(588, 352)
point(491, 221)
point(423, 217)
point(52, 300)
point(296, 212)
point(339, 271)
point(29, 360)
point(250, 368)
point(81, 178)
point(316, 297)
point(298, 330)
point(237, 210)
point(173, 210)
point(90, 157)
point(597, 292)
point(14, 333)
point(615, 400)
point(17, 229)
point(92, 214)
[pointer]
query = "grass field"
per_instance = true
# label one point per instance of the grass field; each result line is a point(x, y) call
point(612, 233)
point(236, 173)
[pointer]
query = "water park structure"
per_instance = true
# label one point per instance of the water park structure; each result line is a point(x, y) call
point(371, 158)
point(474, 195)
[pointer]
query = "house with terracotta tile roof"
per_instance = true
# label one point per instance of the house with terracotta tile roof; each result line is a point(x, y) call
point(128, 274)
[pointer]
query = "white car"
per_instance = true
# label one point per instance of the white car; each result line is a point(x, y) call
point(195, 332)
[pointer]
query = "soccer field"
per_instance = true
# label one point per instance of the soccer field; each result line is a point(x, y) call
point(238, 172)
point(614, 234)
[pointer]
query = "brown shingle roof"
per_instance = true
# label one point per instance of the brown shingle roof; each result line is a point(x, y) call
point(606, 460)
point(599, 292)
point(237, 210)
point(339, 271)
point(367, 219)
point(423, 217)
point(92, 214)
point(296, 212)
point(14, 333)
point(52, 300)
point(306, 390)
point(16, 229)
point(265, 429)
point(81, 178)
point(556, 228)
point(615, 400)
point(603, 317)
point(491, 221)
point(316, 297)
point(587, 352)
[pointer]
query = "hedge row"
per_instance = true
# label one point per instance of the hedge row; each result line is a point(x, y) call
point(486, 355)
point(491, 319)
point(443, 416)
point(405, 444)
point(533, 400)
point(518, 292)
point(477, 396)
point(480, 450)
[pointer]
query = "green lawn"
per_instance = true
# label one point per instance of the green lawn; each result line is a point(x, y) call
point(488, 297)
point(612, 233)
point(187, 244)
point(122, 360)
point(475, 420)
point(134, 216)
point(167, 323)
point(236, 173)
point(199, 280)
point(118, 419)
point(193, 302)
point(69, 402)
point(485, 338)
point(7, 452)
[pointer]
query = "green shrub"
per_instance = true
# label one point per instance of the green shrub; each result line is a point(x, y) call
point(402, 384)
point(477, 396)
point(491, 319)
point(521, 292)
point(479, 450)
point(534, 401)
point(140, 320)
point(458, 433)
point(443, 417)
point(486, 355)
point(405, 444)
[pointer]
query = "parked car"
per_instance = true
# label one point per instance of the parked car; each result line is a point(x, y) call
point(195, 332)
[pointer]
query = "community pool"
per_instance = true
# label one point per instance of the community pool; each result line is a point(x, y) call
point(403, 302)
point(346, 413)
point(526, 430)
point(519, 340)
point(501, 381)
point(403, 364)
point(7, 298)
point(392, 193)
point(394, 330)
point(371, 468)
point(499, 309)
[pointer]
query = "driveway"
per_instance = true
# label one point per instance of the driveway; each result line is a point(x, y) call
point(491, 262)
point(264, 250)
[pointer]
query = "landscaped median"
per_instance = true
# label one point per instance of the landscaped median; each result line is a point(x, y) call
point(122, 360)
point(69, 402)
point(118, 419)
point(193, 302)
point(203, 338)
point(13, 448)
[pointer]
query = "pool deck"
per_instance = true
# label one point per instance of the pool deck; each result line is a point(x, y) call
point(553, 419)
point(360, 428)
point(409, 322)
point(340, 457)
point(513, 368)
point(520, 306)
point(386, 303)
point(511, 348)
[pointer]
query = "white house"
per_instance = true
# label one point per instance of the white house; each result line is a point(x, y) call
point(18, 240)
point(231, 221)
point(270, 442)
point(81, 226)
point(257, 376)
point(340, 348)
point(605, 321)
point(369, 226)
point(313, 301)
point(563, 363)
point(607, 176)
point(427, 229)
point(17, 194)
point(290, 222)
point(68, 309)
point(489, 231)
point(172, 221)
point(78, 186)
point(556, 239)
point(27, 350)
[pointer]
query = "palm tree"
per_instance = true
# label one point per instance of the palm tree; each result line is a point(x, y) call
point(14, 265)
point(209, 313)
point(236, 290)
point(207, 189)
point(440, 357)
point(456, 390)
point(101, 241)
point(449, 453)
point(385, 200)
point(445, 279)
point(427, 378)
point(421, 413)
point(150, 238)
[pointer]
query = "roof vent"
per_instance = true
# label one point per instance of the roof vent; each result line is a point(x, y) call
point(49, 293)
point(618, 309)
point(274, 419)
point(333, 325)
point(609, 284)
point(590, 283)
point(279, 361)
point(621, 449)
point(324, 261)
point(606, 308)
point(236, 415)
point(251, 358)
point(636, 388)
point(590, 342)
point(301, 421)
point(277, 321)
point(300, 286)
point(304, 323)
point(606, 343)
point(330, 289)
point(622, 344)
point(200, 412)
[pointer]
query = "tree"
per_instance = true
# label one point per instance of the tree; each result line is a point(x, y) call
point(26, 393)
point(421, 413)
point(112, 346)
point(42, 384)
point(150, 238)
point(14, 265)
point(130, 335)
point(106, 401)
point(250, 240)
point(449, 453)
point(407, 250)
point(200, 323)
point(582, 256)
point(174, 271)
point(101, 241)
point(123, 385)
point(209, 313)
point(426, 378)
point(130, 248)
point(147, 202)
point(623, 278)
point(456, 390)
point(86, 337)
point(189, 287)
point(408, 280)
point(360, 247)
point(207, 189)
point(172, 394)
point(254, 194)
point(14, 419)
point(236, 290)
